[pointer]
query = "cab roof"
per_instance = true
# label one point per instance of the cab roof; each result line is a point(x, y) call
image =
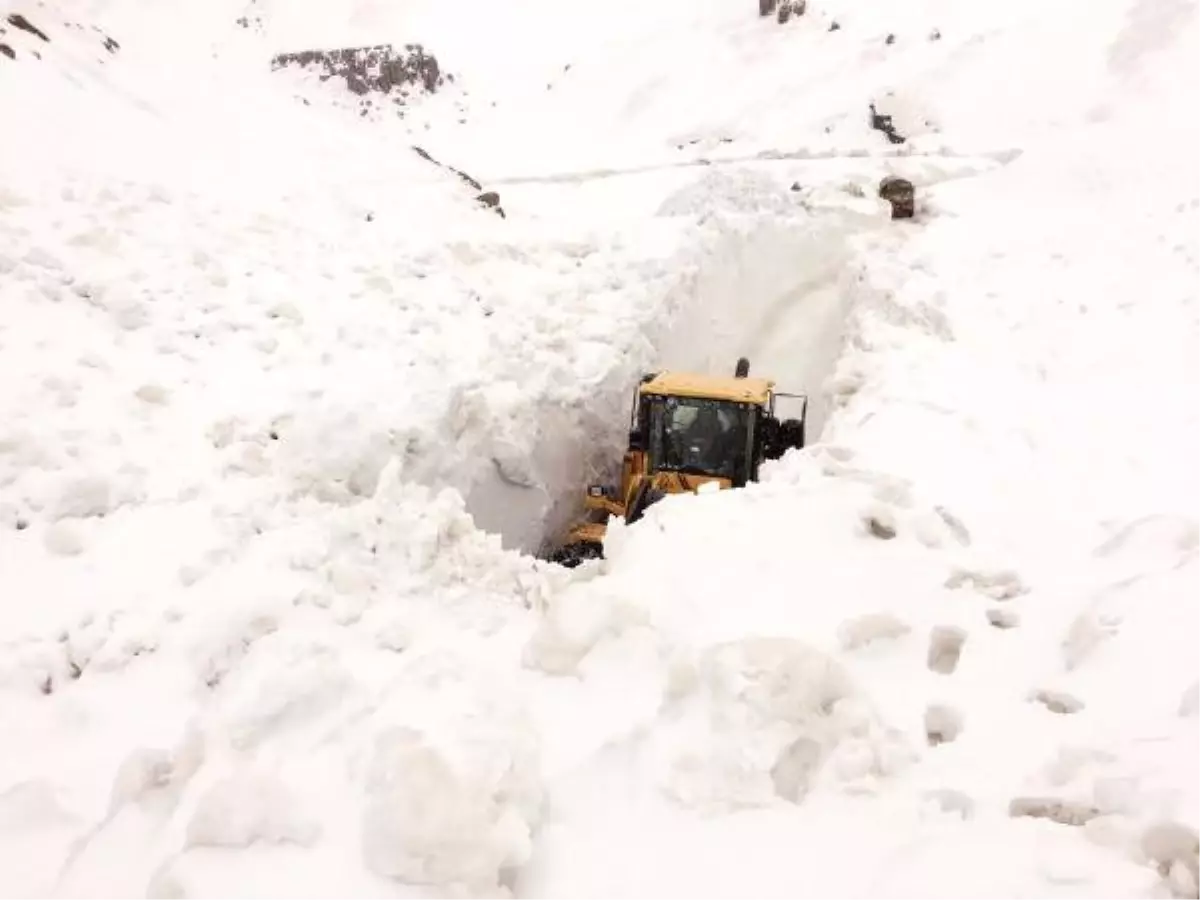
point(715, 387)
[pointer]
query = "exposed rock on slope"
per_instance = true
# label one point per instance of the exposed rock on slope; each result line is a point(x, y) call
point(379, 69)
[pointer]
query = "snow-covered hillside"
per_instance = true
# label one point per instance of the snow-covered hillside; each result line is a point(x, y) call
point(285, 411)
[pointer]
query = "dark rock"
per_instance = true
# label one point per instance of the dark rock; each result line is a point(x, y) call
point(899, 192)
point(834, 26)
point(424, 154)
point(935, 35)
point(766, 7)
point(378, 69)
point(110, 45)
point(795, 186)
point(6, 50)
point(884, 124)
point(885, 531)
point(491, 200)
point(890, 39)
point(16, 20)
point(784, 12)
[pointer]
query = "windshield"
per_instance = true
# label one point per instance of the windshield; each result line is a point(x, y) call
point(711, 437)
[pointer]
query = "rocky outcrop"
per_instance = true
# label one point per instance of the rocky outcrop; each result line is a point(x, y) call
point(16, 20)
point(883, 123)
point(379, 69)
point(14, 24)
point(488, 199)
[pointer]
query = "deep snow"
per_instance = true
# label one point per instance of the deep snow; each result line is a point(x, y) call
point(282, 407)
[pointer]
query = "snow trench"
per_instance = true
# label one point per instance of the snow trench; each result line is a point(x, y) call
point(776, 289)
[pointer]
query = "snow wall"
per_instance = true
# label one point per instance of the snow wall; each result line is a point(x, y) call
point(775, 288)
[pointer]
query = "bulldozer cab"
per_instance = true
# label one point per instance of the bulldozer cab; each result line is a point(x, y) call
point(687, 430)
point(701, 436)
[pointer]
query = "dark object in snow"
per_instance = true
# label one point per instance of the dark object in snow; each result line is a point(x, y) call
point(7, 51)
point(378, 69)
point(935, 35)
point(488, 198)
point(785, 10)
point(795, 186)
point(884, 124)
point(16, 20)
point(890, 39)
point(424, 154)
point(834, 26)
point(110, 45)
point(900, 194)
point(491, 200)
point(766, 7)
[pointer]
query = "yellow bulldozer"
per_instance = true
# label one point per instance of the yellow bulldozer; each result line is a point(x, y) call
point(686, 430)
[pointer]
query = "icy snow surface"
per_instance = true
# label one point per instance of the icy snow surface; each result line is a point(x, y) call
point(284, 413)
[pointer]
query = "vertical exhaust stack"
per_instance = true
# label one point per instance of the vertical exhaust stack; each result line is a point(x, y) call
point(742, 369)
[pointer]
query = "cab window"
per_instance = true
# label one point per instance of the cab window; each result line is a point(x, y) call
point(710, 437)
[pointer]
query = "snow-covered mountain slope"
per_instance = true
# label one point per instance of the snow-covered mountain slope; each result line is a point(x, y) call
point(282, 404)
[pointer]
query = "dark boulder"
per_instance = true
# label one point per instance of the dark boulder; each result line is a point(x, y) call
point(899, 192)
point(491, 200)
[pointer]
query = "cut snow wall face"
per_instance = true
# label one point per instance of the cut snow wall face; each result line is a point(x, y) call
point(773, 289)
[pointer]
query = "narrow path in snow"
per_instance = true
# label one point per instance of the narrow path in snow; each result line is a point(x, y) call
point(971, 164)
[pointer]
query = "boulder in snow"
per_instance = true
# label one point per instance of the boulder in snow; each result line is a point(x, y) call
point(900, 194)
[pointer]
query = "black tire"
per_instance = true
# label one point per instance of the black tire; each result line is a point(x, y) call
point(572, 555)
point(791, 434)
point(646, 497)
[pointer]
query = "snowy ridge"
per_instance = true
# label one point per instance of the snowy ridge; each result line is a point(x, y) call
point(279, 396)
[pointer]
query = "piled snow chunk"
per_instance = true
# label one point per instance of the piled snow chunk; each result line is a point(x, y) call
point(250, 806)
point(453, 803)
point(734, 190)
point(425, 824)
point(763, 717)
